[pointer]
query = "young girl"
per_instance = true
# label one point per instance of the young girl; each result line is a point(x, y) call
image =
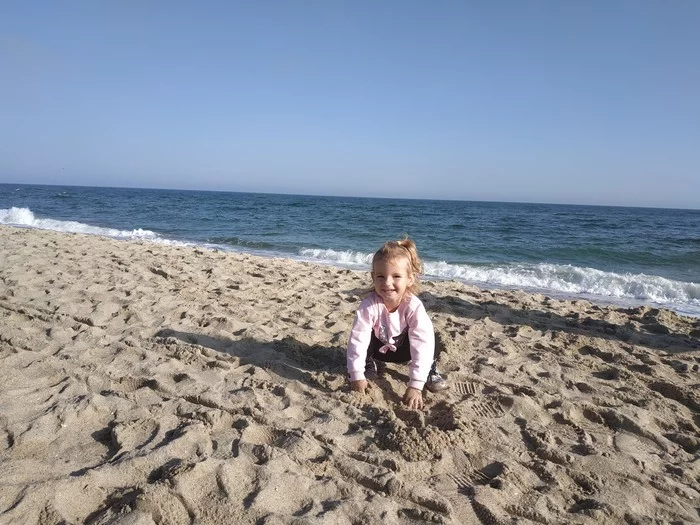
point(391, 325)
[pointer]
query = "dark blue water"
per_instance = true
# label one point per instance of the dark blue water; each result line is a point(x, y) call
point(627, 255)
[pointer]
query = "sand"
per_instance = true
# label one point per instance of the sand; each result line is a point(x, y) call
point(150, 384)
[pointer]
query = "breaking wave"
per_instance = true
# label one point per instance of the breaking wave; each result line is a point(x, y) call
point(25, 218)
point(567, 280)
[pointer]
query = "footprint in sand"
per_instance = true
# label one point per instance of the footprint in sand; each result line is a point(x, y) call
point(475, 495)
point(134, 435)
point(475, 401)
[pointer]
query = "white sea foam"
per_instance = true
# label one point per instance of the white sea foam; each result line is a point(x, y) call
point(562, 280)
point(573, 280)
point(345, 258)
point(25, 218)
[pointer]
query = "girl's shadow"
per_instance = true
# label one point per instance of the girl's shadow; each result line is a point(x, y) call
point(288, 357)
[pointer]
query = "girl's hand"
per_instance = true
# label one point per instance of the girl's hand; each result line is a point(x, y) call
point(413, 398)
point(359, 386)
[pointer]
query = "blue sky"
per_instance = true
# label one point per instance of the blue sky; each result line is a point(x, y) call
point(592, 102)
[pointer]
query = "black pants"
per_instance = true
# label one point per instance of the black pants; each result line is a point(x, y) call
point(402, 354)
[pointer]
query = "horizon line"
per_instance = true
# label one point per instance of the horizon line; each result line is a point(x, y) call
point(352, 196)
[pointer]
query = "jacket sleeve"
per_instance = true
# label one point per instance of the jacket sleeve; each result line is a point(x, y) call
point(422, 338)
point(360, 337)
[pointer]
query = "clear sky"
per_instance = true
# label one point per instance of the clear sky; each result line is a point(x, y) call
point(594, 102)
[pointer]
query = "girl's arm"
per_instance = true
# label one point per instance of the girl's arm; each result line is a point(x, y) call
point(422, 337)
point(360, 336)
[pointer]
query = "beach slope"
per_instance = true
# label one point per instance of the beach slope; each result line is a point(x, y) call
point(149, 384)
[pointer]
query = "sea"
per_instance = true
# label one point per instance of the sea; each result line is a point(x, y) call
point(614, 255)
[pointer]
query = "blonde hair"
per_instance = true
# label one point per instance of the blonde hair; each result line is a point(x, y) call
point(404, 248)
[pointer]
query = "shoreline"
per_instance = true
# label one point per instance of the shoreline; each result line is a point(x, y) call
point(601, 300)
point(144, 383)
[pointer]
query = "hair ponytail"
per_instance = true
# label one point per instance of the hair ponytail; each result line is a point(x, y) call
point(410, 247)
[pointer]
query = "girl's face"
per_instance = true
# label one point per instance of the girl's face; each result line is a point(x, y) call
point(391, 280)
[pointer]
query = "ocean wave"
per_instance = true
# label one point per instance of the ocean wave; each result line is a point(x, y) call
point(565, 280)
point(343, 257)
point(237, 241)
point(573, 280)
point(25, 218)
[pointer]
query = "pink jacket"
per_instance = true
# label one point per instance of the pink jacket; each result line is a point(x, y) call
point(373, 315)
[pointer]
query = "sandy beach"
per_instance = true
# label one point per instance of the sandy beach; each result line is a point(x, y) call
point(142, 384)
